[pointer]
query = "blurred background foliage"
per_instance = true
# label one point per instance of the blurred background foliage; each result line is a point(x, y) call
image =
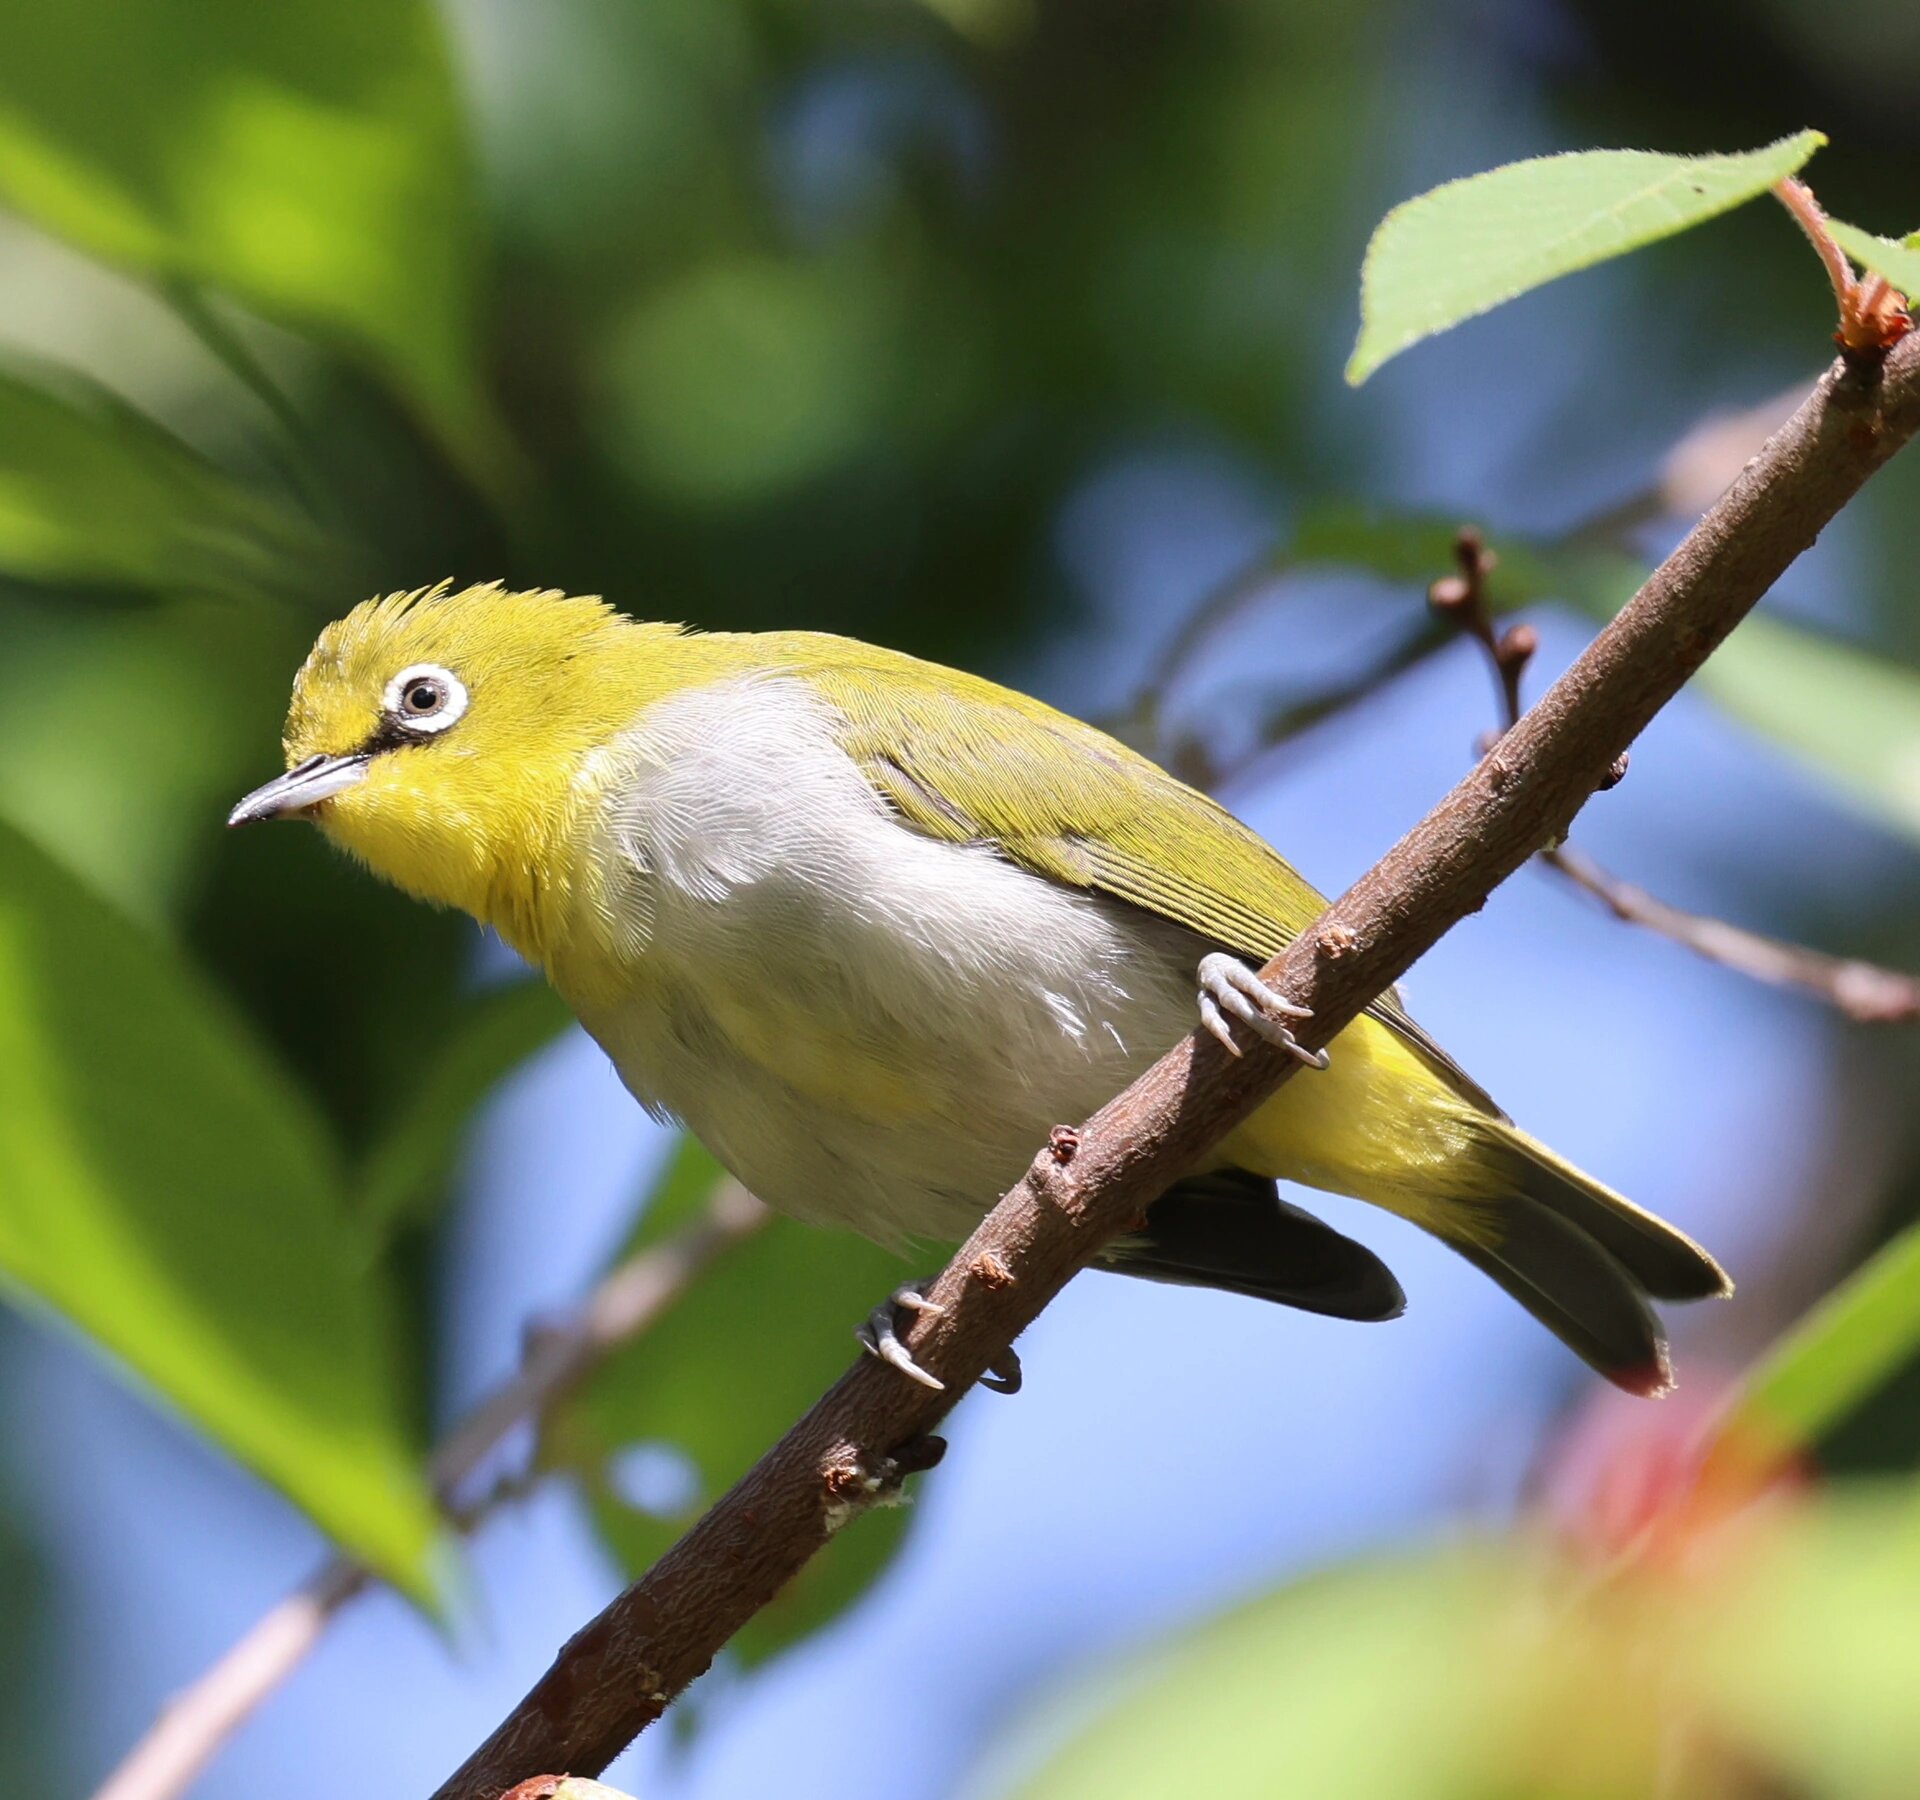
point(889, 318)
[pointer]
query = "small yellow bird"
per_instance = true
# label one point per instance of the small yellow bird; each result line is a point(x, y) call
point(870, 927)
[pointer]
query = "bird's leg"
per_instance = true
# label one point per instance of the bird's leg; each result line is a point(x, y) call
point(1229, 987)
point(880, 1336)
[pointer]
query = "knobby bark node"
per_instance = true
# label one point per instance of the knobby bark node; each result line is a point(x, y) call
point(670, 1624)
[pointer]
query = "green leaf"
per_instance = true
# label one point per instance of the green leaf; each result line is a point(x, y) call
point(1782, 1659)
point(91, 492)
point(1852, 716)
point(1464, 248)
point(1858, 1338)
point(1898, 259)
point(721, 1376)
point(306, 156)
point(164, 1189)
point(1813, 1648)
point(410, 1163)
point(1403, 1678)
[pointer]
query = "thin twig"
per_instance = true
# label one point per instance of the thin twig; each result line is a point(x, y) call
point(1865, 992)
point(1873, 314)
point(201, 1718)
point(1862, 991)
point(617, 1675)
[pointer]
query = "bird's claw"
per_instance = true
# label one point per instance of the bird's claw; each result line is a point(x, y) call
point(1229, 987)
point(880, 1337)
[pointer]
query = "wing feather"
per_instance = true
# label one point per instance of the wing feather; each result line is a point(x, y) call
point(965, 760)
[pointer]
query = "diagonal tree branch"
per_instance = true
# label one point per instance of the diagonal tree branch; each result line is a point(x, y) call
point(616, 1675)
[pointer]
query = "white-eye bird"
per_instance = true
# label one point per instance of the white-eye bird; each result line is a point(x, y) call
point(870, 927)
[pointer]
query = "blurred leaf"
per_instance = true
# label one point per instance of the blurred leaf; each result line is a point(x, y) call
point(1814, 1652)
point(748, 376)
point(1851, 715)
point(1780, 1660)
point(1464, 248)
point(91, 492)
point(1898, 259)
point(1861, 1335)
point(722, 1375)
point(164, 1189)
point(180, 697)
point(306, 156)
point(1407, 1678)
point(410, 1163)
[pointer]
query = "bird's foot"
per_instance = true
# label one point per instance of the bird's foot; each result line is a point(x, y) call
point(1231, 990)
point(880, 1336)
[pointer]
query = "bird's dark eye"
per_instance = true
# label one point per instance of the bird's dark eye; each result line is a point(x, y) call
point(425, 699)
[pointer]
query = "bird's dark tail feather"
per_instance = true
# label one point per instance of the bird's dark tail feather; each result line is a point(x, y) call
point(1585, 1262)
point(1232, 1230)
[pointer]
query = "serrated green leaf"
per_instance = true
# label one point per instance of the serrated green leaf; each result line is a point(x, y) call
point(91, 492)
point(1898, 259)
point(410, 1163)
point(1464, 248)
point(721, 1376)
point(164, 1189)
point(1849, 714)
point(306, 157)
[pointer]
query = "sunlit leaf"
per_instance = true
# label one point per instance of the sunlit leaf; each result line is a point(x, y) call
point(166, 1191)
point(1464, 248)
point(1898, 259)
point(305, 156)
point(766, 1332)
point(411, 1161)
point(1851, 715)
point(91, 492)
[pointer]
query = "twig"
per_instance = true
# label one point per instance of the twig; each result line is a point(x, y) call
point(1873, 314)
point(1862, 991)
point(200, 1719)
point(616, 1676)
point(1865, 992)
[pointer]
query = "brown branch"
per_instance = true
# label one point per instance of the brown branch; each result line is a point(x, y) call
point(1863, 991)
point(616, 1676)
point(201, 1718)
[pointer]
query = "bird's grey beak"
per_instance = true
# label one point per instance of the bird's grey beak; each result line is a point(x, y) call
point(287, 796)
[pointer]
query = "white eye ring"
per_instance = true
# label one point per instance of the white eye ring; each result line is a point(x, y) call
point(425, 676)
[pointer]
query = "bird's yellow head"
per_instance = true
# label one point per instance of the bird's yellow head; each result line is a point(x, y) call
point(441, 737)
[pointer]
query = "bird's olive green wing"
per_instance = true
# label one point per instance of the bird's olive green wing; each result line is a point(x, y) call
point(963, 759)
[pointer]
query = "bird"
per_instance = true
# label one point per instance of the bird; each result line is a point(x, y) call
point(869, 927)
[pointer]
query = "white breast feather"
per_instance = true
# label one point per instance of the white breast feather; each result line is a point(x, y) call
point(759, 889)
